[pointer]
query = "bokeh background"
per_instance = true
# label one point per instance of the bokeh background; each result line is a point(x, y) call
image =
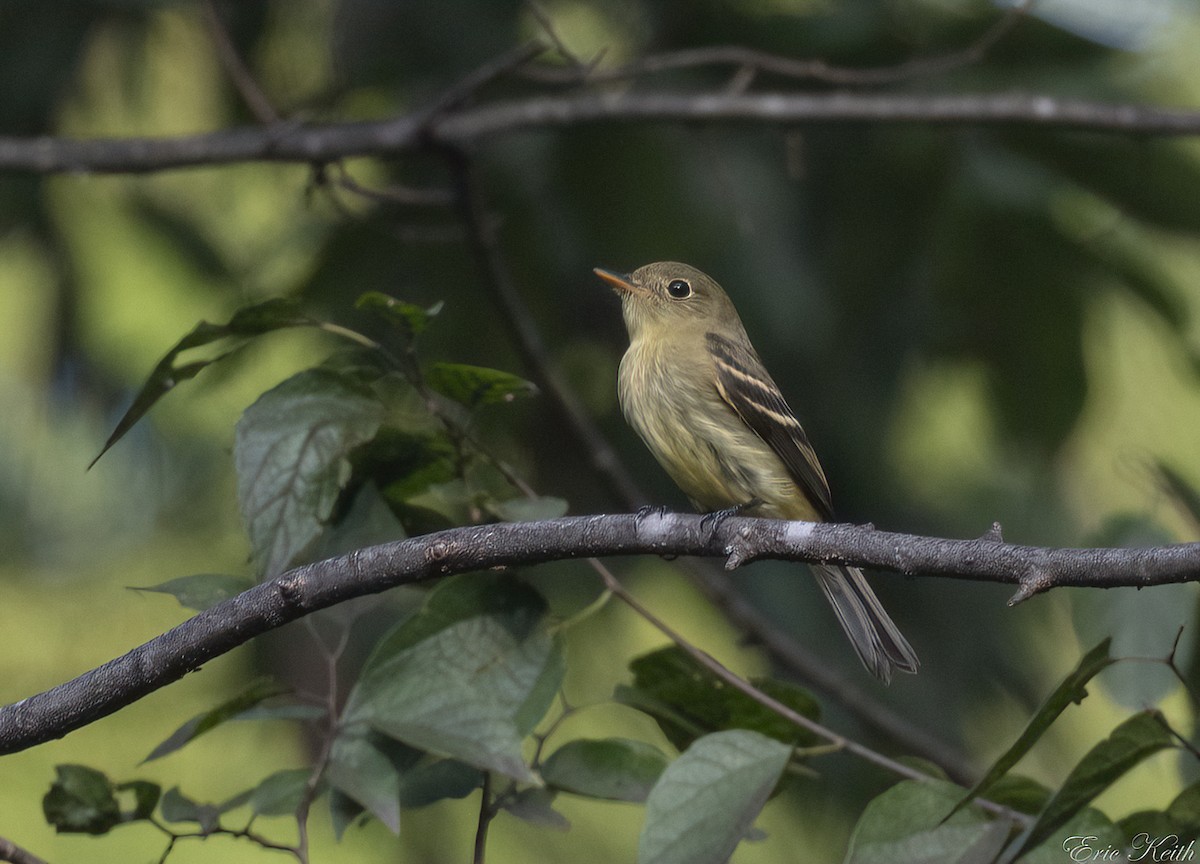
point(974, 324)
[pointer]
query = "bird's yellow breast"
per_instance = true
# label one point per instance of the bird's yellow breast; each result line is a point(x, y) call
point(711, 454)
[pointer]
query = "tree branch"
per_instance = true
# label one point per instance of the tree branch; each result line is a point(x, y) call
point(11, 852)
point(306, 589)
point(465, 126)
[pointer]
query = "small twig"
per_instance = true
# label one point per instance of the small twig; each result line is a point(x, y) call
point(14, 854)
point(486, 814)
point(758, 61)
point(838, 741)
point(547, 24)
point(237, 70)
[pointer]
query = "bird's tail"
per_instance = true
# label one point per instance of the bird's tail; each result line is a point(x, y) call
point(876, 639)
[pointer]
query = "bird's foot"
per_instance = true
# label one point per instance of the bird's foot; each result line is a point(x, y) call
point(644, 511)
point(712, 521)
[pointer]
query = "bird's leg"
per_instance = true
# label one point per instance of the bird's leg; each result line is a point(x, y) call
point(712, 520)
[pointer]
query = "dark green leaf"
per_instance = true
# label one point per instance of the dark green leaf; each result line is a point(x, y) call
point(467, 677)
point(614, 768)
point(202, 590)
point(1072, 689)
point(1186, 808)
point(1020, 793)
point(905, 825)
point(476, 385)
point(145, 798)
point(291, 452)
point(343, 812)
point(449, 500)
point(707, 799)
point(535, 806)
point(529, 509)
point(1089, 836)
point(432, 780)
point(81, 800)
point(280, 794)
point(687, 700)
point(177, 807)
point(364, 766)
point(214, 717)
point(1140, 736)
point(246, 323)
point(412, 319)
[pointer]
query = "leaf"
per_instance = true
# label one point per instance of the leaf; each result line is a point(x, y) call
point(365, 767)
point(1072, 689)
point(412, 319)
point(280, 793)
point(432, 780)
point(177, 807)
point(618, 769)
point(200, 591)
point(707, 799)
point(905, 825)
point(290, 452)
point(81, 800)
point(145, 799)
point(687, 700)
point(1186, 808)
point(476, 385)
point(1089, 836)
point(208, 720)
point(449, 500)
point(529, 509)
point(1140, 736)
point(467, 677)
point(535, 806)
point(246, 323)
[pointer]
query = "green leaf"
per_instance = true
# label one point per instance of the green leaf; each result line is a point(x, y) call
point(1089, 836)
point(1140, 736)
point(81, 800)
point(432, 780)
point(145, 799)
point(449, 500)
point(1020, 793)
point(687, 700)
point(618, 769)
point(290, 452)
point(177, 807)
point(529, 509)
point(467, 677)
point(411, 318)
point(905, 825)
point(707, 799)
point(1072, 689)
point(476, 385)
point(1186, 808)
point(280, 793)
point(200, 591)
point(245, 324)
point(365, 767)
point(535, 806)
point(214, 717)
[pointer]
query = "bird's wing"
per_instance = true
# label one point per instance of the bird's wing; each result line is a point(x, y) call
point(747, 388)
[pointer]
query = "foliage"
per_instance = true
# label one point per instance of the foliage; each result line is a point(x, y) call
point(891, 275)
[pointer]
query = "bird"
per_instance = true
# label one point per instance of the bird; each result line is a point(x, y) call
point(695, 391)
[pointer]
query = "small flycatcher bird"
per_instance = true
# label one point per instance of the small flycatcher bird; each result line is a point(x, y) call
point(692, 386)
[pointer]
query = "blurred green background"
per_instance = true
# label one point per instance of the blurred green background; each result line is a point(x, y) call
point(975, 325)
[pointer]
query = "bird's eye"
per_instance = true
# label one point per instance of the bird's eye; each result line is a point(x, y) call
point(679, 289)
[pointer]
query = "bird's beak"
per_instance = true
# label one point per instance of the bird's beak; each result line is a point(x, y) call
point(622, 283)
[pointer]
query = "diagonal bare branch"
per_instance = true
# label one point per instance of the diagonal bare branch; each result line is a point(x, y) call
point(303, 590)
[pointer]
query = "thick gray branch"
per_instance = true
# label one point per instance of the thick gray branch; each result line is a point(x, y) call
point(459, 127)
point(294, 594)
